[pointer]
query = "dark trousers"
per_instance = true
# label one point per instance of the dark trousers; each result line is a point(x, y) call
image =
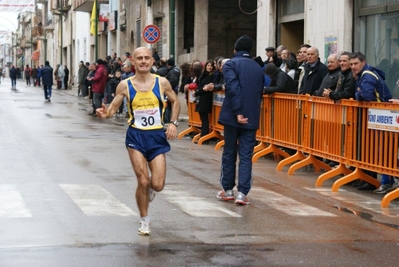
point(204, 116)
point(168, 112)
point(66, 82)
point(47, 91)
point(97, 101)
point(13, 82)
point(82, 90)
point(241, 141)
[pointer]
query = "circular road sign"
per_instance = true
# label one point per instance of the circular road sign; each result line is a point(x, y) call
point(151, 34)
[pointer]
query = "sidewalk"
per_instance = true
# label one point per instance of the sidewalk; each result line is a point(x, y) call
point(183, 106)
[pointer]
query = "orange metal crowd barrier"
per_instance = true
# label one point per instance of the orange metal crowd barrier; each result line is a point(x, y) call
point(194, 120)
point(282, 111)
point(214, 126)
point(317, 128)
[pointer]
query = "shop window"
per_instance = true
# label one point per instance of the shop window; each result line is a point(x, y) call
point(380, 43)
point(189, 14)
point(370, 3)
point(158, 45)
point(138, 33)
point(289, 7)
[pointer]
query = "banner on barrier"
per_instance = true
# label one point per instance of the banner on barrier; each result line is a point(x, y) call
point(218, 99)
point(381, 119)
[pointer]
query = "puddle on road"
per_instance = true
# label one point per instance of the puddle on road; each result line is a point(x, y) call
point(366, 216)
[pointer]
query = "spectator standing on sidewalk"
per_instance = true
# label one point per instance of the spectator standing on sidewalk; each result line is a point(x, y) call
point(47, 80)
point(240, 115)
point(98, 85)
point(34, 75)
point(28, 73)
point(39, 74)
point(82, 74)
point(13, 77)
point(66, 77)
point(61, 75)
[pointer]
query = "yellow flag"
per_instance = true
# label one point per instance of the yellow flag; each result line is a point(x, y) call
point(93, 19)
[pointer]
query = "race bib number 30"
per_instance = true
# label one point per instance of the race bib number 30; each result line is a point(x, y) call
point(147, 118)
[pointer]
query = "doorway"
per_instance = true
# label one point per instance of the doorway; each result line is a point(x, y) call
point(292, 35)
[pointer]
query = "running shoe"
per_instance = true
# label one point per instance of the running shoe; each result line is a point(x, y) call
point(151, 194)
point(384, 188)
point(394, 186)
point(225, 195)
point(144, 227)
point(241, 199)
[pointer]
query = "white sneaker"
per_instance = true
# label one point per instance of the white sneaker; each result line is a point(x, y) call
point(151, 194)
point(144, 227)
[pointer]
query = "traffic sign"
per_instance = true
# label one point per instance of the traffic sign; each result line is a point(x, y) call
point(151, 34)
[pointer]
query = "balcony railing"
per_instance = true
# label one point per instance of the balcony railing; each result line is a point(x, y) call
point(37, 31)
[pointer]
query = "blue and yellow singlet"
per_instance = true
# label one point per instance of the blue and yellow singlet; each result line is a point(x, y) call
point(146, 109)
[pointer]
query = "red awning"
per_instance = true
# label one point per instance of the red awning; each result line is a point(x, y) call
point(35, 55)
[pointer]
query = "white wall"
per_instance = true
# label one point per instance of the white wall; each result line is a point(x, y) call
point(323, 18)
point(82, 47)
point(266, 28)
point(328, 18)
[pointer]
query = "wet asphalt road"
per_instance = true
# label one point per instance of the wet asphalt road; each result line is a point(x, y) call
point(67, 199)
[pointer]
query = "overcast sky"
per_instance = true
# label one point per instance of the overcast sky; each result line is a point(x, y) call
point(8, 21)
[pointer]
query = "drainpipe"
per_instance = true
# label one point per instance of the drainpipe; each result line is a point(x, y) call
point(62, 37)
point(31, 41)
point(45, 46)
point(96, 35)
point(172, 11)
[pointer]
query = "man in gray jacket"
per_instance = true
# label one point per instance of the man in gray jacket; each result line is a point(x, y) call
point(82, 74)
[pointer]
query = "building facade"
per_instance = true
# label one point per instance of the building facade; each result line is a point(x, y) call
point(204, 29)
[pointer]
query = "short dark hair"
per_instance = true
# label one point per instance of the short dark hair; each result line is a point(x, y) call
point(346, 53)
point(170, 62)
point(358, 55)
point(291, 63)
point(306, 45)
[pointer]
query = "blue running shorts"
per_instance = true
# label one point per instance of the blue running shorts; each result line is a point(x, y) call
point(150, 143)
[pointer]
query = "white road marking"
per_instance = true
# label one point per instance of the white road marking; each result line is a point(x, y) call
point(196, 206)
point(94, 200)
point(286, 204)
point(12, 204)
point(358, 199)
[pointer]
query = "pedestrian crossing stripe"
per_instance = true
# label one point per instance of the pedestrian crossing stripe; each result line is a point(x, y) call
point(357, 199)
point(286, 204)
point(94, 200)
point(195, 206)
point(12, 204)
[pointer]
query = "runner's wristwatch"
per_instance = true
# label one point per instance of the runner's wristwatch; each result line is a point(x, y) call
point(175, 123)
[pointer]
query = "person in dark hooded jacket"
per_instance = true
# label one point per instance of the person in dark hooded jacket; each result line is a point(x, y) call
point(280, 81)
point(370, 83)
